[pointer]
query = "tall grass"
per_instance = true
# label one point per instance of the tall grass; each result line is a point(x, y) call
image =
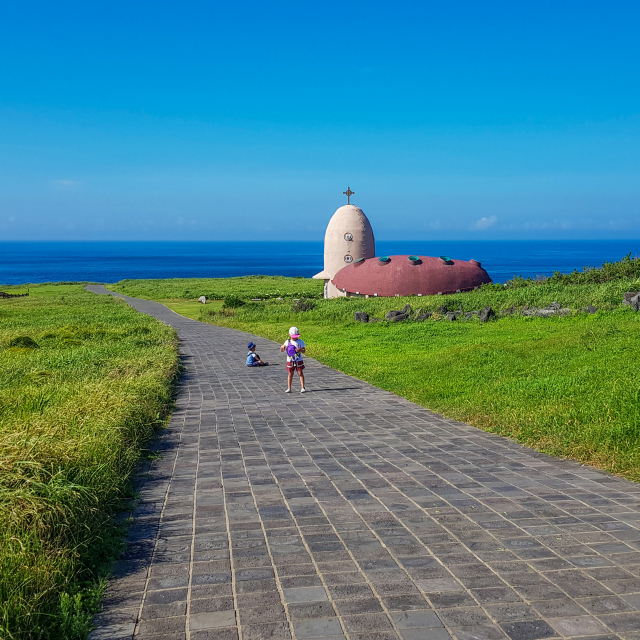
point(75, 413)
point(626, 269)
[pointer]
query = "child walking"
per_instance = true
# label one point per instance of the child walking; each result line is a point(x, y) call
point(294, 348)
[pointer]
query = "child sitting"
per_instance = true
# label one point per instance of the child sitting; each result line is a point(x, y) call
point(294, 348)
point(253, 359)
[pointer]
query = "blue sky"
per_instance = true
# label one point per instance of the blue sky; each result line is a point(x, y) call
point(243, 120)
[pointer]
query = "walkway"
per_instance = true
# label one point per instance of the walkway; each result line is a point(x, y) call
point(349, 512)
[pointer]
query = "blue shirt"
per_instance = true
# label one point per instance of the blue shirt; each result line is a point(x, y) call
point(252, 359)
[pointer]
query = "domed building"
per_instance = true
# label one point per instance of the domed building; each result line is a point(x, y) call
point(351, 268)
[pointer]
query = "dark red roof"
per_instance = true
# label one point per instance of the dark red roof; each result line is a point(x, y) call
point(400, 276)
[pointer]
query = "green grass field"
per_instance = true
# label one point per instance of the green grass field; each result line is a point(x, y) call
point(568, 386)
point(76, 410)
point(264, 287)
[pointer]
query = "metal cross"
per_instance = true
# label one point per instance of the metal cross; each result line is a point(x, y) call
point(348, 193)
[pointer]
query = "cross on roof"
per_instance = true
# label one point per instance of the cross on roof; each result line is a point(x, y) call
point(348, 193)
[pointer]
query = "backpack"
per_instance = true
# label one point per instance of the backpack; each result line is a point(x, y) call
point(291, 349)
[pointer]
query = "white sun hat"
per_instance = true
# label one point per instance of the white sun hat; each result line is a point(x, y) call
point(294, 332)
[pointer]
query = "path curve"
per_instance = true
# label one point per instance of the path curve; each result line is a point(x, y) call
point(349, 512)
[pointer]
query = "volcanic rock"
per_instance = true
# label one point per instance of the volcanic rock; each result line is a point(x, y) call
point(486, 314)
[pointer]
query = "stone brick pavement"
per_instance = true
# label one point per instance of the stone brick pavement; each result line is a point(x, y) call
point(349, 512)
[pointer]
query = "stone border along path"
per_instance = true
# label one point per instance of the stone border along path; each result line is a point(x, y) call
point(349, 512)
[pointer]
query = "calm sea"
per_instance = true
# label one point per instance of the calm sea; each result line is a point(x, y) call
point(23, 262)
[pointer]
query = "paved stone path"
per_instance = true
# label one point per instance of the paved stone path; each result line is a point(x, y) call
point(349, 512)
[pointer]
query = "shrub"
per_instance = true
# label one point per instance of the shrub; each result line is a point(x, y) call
point(303, 305)
point(233, 302)
point(24, 342)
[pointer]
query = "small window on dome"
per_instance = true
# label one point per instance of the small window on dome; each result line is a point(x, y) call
point(348, 237)
point(348, 258)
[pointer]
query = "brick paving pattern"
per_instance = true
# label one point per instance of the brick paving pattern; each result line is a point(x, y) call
point(348, 512)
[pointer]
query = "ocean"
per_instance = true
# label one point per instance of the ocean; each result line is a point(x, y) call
point(32, 262)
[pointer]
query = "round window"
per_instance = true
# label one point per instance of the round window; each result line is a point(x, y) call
point(348, 258)
point(348, 237)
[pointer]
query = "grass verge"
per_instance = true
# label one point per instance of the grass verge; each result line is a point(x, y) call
point(78, 402)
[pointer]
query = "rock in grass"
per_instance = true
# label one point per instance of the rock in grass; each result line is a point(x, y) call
point(361, 316)
point(591, 309)
point(399, 318)
point(451, 316)
point(635, 302)
point(468, 315)
point(202, 299)
point(486, 314)
point(545, 313)
point(627, 297)
point(406, 309)
point(423, 316)
point(392, 314)
point(554, 306)
point(443, 309)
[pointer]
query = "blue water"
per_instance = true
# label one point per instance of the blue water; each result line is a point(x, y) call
point(22, 262)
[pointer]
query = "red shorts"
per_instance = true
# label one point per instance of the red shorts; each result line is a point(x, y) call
point(293, 365)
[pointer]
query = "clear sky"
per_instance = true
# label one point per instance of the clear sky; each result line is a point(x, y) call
point(247, 120)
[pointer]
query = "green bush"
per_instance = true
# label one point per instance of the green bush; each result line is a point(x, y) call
point(303, 305)
point(25, 342)
point(233, 302)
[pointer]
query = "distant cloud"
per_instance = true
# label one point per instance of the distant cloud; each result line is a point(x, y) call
point(485, 223)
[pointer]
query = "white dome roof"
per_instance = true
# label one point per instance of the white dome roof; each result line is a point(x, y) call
point(349, 215)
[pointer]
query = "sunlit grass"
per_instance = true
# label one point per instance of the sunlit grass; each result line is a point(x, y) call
point(264, 287)
point(191, 308)
point(75, 413)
